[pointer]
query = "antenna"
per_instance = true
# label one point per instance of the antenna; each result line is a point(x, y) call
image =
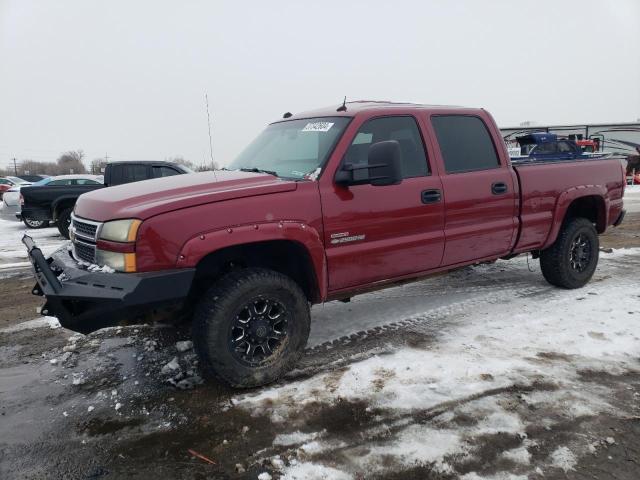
point(213, 165)
point(343, 107)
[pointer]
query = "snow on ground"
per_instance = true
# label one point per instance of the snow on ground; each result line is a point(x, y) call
point(632, 198)
point(13, 254)
point(541, 341)
point(51, 322)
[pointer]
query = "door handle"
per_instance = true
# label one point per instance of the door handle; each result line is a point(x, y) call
point(499, 188)
point(431, 196)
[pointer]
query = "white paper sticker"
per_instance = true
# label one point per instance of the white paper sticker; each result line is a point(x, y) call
point(317, 127)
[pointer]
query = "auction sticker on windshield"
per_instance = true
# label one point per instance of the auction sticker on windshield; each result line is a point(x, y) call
point(317, 127)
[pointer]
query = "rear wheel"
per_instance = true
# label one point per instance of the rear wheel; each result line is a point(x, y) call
point(64, 222)
point(35, 223)
point(572, 260)
point(251, 327)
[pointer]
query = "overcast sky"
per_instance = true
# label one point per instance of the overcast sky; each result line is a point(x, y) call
point(128, 78)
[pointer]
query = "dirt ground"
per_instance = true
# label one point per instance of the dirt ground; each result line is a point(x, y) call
point(107, 412)
point(16, 302)
point(627, 235)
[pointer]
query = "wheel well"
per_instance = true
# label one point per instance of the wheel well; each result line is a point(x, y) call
point(62, 205)
point(592, 208)
point(287, 257)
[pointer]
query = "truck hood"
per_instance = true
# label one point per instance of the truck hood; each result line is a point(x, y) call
point(152, 197)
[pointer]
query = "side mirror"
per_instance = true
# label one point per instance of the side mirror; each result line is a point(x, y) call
point(384, 167)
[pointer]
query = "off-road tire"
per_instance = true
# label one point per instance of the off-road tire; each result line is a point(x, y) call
point(33, 224)
point(217, 310)
point(64, 221)
point(555, 260)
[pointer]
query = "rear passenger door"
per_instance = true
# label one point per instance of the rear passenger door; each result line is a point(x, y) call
point(377, 233)
point(480, 191)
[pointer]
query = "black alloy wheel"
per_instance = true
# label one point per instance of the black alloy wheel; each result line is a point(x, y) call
point(572, 259)
point(580, 253)
point(258, 331)
point(250, 327)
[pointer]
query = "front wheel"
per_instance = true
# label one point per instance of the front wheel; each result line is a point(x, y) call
point(64, 222)
point(572, 260)
point(30, 223)
point(251, 327)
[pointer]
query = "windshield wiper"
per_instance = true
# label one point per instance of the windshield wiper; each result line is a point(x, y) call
point(259, 170)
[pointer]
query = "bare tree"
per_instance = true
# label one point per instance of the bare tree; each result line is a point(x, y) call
point(180, 160)
point(97, 166)
point(71, 162)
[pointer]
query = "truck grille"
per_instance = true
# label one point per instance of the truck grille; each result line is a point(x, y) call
point(85, 251)
point(85, 229)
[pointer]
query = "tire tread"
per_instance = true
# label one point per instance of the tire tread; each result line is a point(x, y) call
point(216, 301)
point(552, 261)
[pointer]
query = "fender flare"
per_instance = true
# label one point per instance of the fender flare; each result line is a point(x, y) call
point(566, 198)
point(58, 201)
point(201, 245)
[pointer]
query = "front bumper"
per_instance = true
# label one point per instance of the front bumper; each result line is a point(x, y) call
point(86, 301)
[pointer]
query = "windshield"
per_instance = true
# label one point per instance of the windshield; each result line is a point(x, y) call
point(292, 149)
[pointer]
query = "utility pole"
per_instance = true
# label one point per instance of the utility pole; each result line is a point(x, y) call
point(15, 167)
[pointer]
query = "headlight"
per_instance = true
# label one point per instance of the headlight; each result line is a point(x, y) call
point(120, 262)
point(120, 230)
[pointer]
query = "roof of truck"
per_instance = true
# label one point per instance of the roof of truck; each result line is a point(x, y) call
point(356, 106)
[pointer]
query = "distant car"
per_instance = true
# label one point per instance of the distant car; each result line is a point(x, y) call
point(11, 206)
point(543, 146)
point(55, 203)
point(7, 182)
point(33, 178)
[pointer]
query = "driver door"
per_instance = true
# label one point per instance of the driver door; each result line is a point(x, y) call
point(375, 233)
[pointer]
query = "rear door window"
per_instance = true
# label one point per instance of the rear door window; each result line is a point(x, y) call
point(86, 181)
point(465, 143)
point(123, 173)
point(136, 173)
point(115, 174)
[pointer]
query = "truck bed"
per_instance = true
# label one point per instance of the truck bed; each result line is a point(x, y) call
point(541, 193)
point(524, 161)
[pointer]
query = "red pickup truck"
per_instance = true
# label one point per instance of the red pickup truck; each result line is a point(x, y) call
point(321, 206)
